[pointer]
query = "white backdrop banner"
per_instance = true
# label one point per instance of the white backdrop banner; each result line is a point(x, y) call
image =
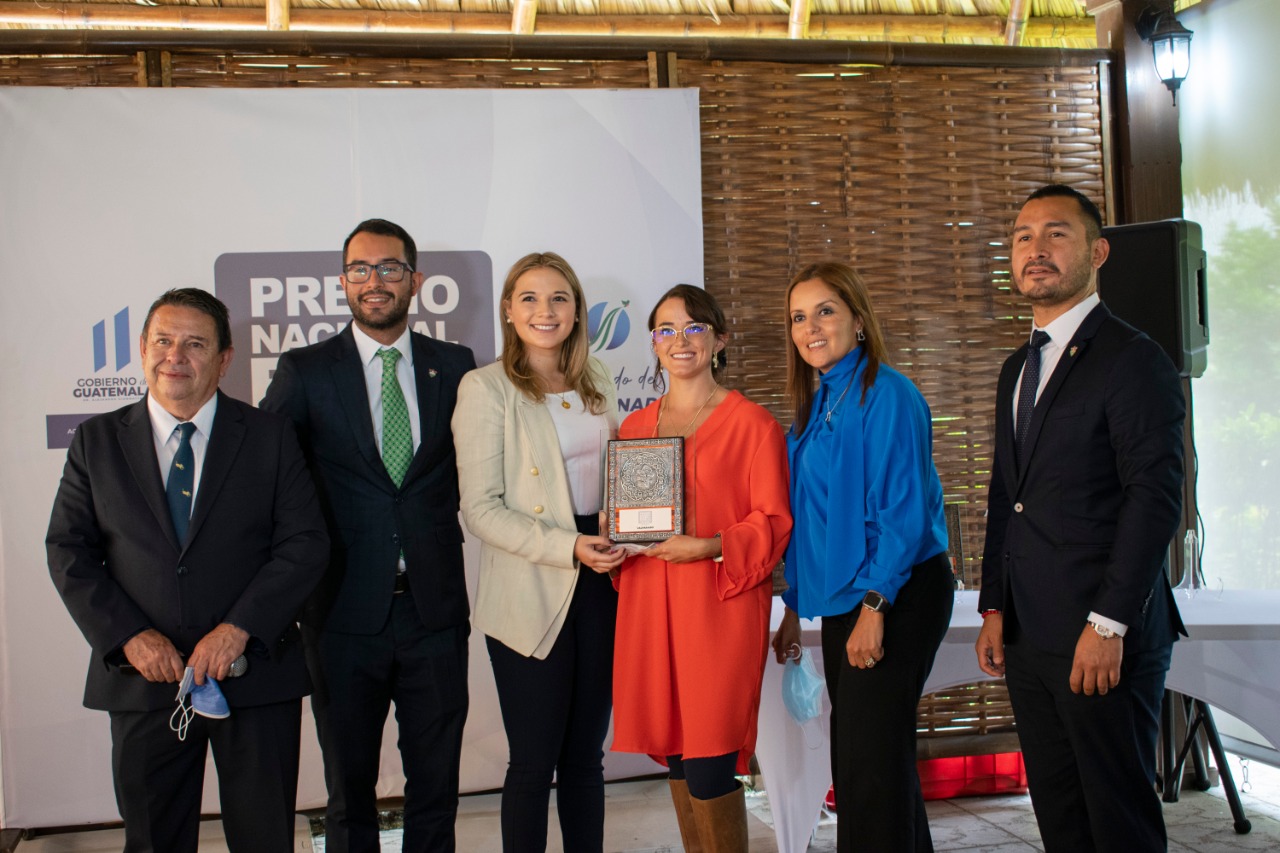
point(110, 196)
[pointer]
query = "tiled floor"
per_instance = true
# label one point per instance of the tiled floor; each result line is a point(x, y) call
point(639, 818)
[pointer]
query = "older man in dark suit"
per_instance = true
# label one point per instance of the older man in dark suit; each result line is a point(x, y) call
point(389, 623)
point(1085, 497)
point(186, 526)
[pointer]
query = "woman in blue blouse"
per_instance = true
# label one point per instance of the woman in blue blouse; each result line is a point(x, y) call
point(868, 553)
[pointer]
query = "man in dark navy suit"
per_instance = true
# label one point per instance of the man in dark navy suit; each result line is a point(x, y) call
point(1085, 497)
point(389, 622)
point(186, 526)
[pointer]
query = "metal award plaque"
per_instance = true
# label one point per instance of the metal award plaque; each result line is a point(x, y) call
point(645, 499)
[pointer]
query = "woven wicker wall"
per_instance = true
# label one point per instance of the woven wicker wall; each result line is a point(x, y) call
point(912, 173)
point(113, 70)
point(264, 71)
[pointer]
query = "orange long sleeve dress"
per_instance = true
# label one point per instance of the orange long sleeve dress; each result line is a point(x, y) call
point(692, 637)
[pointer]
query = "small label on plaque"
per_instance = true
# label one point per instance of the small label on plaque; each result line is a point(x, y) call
point(648, 520)
point(645, 500)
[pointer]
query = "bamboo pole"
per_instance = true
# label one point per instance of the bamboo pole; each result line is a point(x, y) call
point(1016, 29)
point(524, 15)
point(277, 15)
point(504, 46)
point(881, 28)
point(798, 23)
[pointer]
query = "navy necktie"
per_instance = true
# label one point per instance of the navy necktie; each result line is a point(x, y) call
point(1030, 384)
point(182, 482)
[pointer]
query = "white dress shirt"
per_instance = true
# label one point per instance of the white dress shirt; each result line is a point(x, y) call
point(1060, 333)
point(164, 432)
point(372, 363)
point(368, 349)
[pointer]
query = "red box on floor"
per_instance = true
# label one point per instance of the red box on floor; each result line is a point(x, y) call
point(972, 776)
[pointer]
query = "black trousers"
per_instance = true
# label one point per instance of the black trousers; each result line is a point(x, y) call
point(159, 779)
point(556, 715)
point(873, 716)
point(356, 679)
point(1090, 759)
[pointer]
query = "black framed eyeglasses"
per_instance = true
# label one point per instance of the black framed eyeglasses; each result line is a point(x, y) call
point(689, 332)
point(390, 272)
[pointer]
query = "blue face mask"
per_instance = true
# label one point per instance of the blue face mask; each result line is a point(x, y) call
point(802, 688)
point(206, 700)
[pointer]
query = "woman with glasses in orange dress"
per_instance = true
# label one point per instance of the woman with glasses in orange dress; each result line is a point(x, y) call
point(693, 610)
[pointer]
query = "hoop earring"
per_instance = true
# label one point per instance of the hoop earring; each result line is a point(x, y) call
point(861, 336)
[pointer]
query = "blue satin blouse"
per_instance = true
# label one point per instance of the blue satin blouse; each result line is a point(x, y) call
point(870, 462)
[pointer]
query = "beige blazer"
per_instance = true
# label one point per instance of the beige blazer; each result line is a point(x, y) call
point(515, 499)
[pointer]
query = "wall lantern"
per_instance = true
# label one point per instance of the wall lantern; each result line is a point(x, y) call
point(1170, 45)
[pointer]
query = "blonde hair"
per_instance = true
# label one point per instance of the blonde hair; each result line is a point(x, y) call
point(574, 360)
point(853, 292)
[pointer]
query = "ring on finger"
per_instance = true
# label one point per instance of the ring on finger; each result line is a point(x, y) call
point(870, 662)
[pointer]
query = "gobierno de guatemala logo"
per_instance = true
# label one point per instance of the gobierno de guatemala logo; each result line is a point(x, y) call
point(105, 385)
point(112, 348)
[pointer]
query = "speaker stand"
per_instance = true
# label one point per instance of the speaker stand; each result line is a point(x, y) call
point(1197, 714)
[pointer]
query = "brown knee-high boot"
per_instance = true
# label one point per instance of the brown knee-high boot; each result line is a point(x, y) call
point(684, 816)
point(722, 822)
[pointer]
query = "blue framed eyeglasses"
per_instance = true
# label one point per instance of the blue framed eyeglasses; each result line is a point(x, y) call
point(689, 332)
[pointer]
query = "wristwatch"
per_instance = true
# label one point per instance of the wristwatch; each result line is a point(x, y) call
point(875, 601)
point(1103, 631)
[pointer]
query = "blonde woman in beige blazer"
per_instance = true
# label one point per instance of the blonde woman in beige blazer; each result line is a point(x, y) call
point(531, 432)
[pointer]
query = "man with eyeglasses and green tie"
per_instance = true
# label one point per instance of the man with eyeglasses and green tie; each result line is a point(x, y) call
point(389, 622)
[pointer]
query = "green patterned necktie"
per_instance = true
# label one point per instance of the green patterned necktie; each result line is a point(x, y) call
point(397, 435)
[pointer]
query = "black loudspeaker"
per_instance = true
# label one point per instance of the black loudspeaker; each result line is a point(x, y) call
point(1154, 279)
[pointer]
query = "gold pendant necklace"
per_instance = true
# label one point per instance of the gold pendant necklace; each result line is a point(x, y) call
point(685, 432)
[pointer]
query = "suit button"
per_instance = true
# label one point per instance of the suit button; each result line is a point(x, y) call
point(1017, 507)
point(182, 570)
point(395, 537)
point(533, 471)
point(537, 509)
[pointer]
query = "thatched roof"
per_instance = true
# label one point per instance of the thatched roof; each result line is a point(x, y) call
point(1031, 23)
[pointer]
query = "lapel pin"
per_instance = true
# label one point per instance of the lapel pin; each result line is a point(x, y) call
point(431, 371)
point(1072, 352)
